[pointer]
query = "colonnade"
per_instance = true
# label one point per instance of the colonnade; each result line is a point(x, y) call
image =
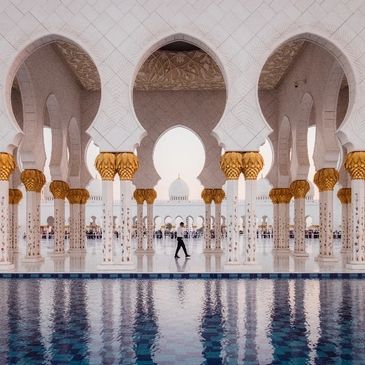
point(212, 195)
point(148, 196)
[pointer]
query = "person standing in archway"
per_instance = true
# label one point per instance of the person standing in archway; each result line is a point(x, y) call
point(180, 241)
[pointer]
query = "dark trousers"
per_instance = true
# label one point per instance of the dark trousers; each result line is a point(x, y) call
point(180, 244)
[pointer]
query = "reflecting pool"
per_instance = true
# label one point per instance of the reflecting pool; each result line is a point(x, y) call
point(116, 321)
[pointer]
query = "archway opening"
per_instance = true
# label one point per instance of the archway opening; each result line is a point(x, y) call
point(179, 157)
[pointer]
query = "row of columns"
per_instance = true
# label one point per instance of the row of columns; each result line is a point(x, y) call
point(233, 164)
point(109, 164)
point(148, 196)
point(209, 196)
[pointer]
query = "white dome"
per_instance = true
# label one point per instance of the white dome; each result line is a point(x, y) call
point(263, 188)
point(179, 190)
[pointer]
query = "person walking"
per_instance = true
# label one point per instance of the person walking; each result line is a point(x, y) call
point(180, 241)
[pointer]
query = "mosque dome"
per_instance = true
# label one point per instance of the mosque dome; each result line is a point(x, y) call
point(263, 189)
point(179, 190)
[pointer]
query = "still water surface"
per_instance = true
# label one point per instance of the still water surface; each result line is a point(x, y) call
point(191, 322)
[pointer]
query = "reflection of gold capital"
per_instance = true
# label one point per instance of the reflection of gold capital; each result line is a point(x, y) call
point(78, 196)
point(252, 164)
point(15, 196)
point(207, 195)
point(326, 179)
point(280, 195)
point(105, 164)
point(344, 195)
point(150, 195)
point(7, 165)
point(127, 165)
point(139, 196)
point(59, 189)
point(33, 180)
point(355, 165)
point(231, 165)
point(218, 196)
point(299, 188)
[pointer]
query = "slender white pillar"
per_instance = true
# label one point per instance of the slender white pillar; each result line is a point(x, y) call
point(140, 198)
point(275, 227)
point(15, 195)
point(218, 198)
point(74, 224)
point(326, 180)
point(252, 164)
point(150, 195)
point(344, 196)
point(231, 165)
point(82, 222)
point(299, 189)
point(59, 189)
point(126, 165)
point(207, 196)
point(105, 163)
point(33, 181)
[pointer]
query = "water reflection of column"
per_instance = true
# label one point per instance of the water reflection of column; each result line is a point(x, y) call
point(107, 351)
point(125, 331)
point(5, 323)
point(211, 321)
point(145, 323)
point(59, 319)
point(13, 317)
point(250, 351)
point(346, 318)
point(231, 348)
point(78, 319)
point(280, 322)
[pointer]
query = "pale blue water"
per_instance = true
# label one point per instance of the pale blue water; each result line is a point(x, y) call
point(115, 321)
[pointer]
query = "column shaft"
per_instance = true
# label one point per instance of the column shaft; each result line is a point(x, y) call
point(59, 226)
point(75, 212)
point(276, 234)
point(207, 227)
point(140, 227)
point(33, 236)
point(4, 224)
point(346, 227)
point(232, 255)
point(218, 226)
point(283, 225)
point(13, 227)
point(326, 224)
point(126, 223)
point(108, 232)
point(250, 222)
point(299, 227)
point(150, 228)
point(82, 222)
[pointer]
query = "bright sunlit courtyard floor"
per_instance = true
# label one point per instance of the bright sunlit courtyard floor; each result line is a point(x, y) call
point(162, 261)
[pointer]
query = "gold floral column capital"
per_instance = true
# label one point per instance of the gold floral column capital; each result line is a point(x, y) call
point(126, 165)
point(33, 180)
point(77, 196)
point(355, 165)
point(231, 165)
point(280, 195)
point(326, 179)
point(105, 163)
point(252, 164)
point(139, 196)
point(7, 165)
point(299, 188)
point(344, 195)
point(207, 195)
point(150, 195)
point(218, 196)
point(59, 189)
point(84, 196)
point(15, 196)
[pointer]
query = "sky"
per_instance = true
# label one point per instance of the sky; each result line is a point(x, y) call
point(180, 152)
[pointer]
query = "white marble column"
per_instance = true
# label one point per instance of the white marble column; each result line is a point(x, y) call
point(139, 198)
point(105, 163)
point(299, 189)
point(252, 164)
point(59, 189)
point(15, 196)
point(326, 180)
point(283, 227)
point(74, 200)
point(344, 196)
point(218, 198)
point(150, 195)
point(231, 165)
point(33, 181)
point(274, 196)
point(82, 222)
point(207, 196)
point(7, 166)
point(126, 165)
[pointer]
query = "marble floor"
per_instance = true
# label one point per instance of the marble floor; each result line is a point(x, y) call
point(162, 261)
